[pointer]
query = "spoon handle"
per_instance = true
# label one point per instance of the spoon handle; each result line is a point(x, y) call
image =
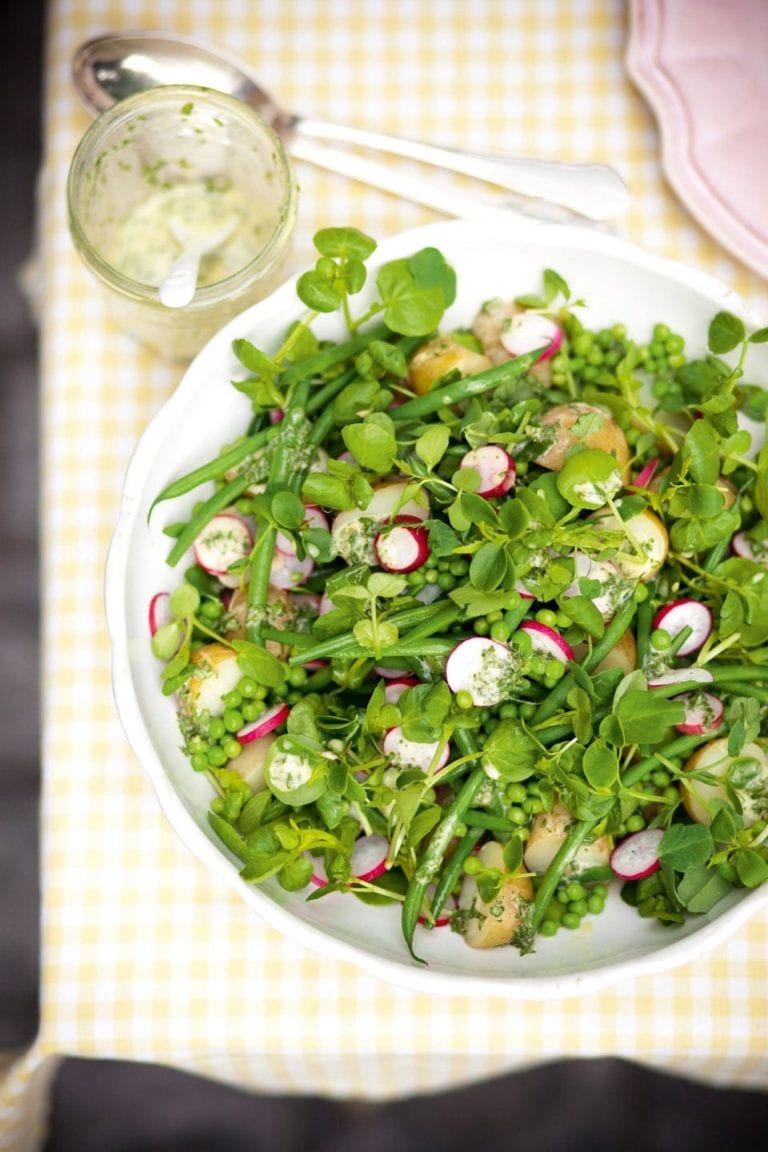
point(179, 283)
point(425, 192)
point(593, 190)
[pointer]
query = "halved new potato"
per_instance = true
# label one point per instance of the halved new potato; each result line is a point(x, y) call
point(490, 925)
point(549, 830)
point(747, 774)
point(646, 547)
point(217, 673)
point(605, 434)
point(440, 356)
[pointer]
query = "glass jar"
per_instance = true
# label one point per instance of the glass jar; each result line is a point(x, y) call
point(188, 154)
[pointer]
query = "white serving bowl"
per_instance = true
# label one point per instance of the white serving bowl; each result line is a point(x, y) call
point(619, 283)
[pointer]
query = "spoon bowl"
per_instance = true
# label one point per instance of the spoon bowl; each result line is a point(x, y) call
point(110, 68)
point(179, 284)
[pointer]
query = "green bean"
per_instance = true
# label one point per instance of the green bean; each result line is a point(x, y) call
point(220, 500)
point(405, 619)
point(463, 389)
point(453, 869)
point(722, 673)
point(214, 469)
point(489, 822)
point(432, 857)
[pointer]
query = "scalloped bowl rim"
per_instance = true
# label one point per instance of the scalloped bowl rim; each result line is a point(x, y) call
point(402, 972)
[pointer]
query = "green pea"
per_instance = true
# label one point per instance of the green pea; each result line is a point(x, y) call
point(233, 719)
point(517, 816)
point(232, 700)
point(231, 747)
point(499, 631)
point(217, 756)
point(508, 711)
point(481, 626)
point(199, 761)
point(571, 920)
point(578, 908)
point(297, 677)
point(575, 890)
point(635, 822)
point(464, 699)
point(595, 905)
point(661, 778)
point(247, 687)
point(446, 581)
point(548, 928)
point(216, 728)
point(547, 617)
point(661, 640)
point(211, 609)
point(515, 793)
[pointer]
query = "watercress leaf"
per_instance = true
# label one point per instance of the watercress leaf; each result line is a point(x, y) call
point(372, 442)
point(354, 401)
point(554, 284)
point(489, 566)
point(704, 500)
point(724, 333)
point(386, 585)
point(287, 509)
point(442, 540)
point(751, 868)
point(184, 601)
point(644, 718)
point(355, 274)
point(422, 824)
point(696, 535)
point(388, 356)
point(600, 766)
point(431, 270)
point(510, 752)
point(683, 846)
point(584, 613)
point(424, 710)
point(257, 662)
point(254, 359)
point(513, 854)
point(514, 519)
point(432, 444)
point(344, 243)
point(328, 492)
point(701, 888)
point(318, 293)
point(700, 453)
point(760, 336)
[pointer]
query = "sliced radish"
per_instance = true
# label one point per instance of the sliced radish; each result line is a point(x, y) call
point(646, 474)
point(224, 540)
point(750, 549)
point(369, 857)
point(395, 688)
point(527, 331)
point(547, 641)
point(287, 571)
point(521, 590)
point(264, 724)
point(680, 676)
point(404, 547)
point(276, 415)
point(614, 587)
point(354, 530)
point(495, 467)
point(484, 668)
point(319, 875)
point(685, 614)
point(159, 611)
point(703, 713)
point(412, 753)
point(637, 855)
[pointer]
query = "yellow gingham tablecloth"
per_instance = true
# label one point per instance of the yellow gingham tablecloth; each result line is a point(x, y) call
point(144, 955)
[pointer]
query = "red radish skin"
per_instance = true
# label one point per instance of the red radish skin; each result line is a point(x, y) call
point(276, 416)
point(672, 618)
point(527, 331)
point(268, 722)
point(637, 856)
point(495, 467)
point(404, 547)
point(159, 611)
point(369, 857)
point(395, 688)
point(482, 667)
point(646, 475)
point(547, 641)
point(680, 676)
point(226, 539)
point(703, 713)
point(414, 754)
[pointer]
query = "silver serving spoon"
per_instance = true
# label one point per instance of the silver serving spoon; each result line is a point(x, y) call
point(111, 67)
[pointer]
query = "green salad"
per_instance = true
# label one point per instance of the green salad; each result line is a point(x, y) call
point(473, 619)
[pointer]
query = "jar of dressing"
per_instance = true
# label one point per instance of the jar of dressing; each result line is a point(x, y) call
point(179, 162)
